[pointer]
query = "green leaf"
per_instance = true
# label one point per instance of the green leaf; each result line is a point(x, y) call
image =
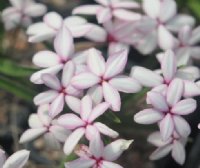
point(194, 6)
point(16, 88)
point(12, 69)
point(113, 117)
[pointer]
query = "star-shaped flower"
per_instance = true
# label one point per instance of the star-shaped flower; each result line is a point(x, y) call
point(98, 155)
point(104, 78)
point(42, 124)
point(106, 10)
point(21, 13)
point(84, 125)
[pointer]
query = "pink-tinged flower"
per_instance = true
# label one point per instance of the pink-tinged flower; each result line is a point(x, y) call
point(104, 78)
point(163, 19)
point(107, 10)
point(53, 62)
point(84, 125)
point(99, 156)
point(175, 144)
point(21, 13)
point(159, 80)
point(166, 111)
point(53, 22)
point(42, 124)
point(16, 160)
point(187, 45)
point(60, 91)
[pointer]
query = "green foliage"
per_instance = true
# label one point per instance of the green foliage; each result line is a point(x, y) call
point(113, 117)
point(194, 6)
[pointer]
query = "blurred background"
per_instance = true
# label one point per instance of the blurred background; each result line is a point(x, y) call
point(16, 94)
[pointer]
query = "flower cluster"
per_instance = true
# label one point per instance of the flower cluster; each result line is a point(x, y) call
point(89, 82)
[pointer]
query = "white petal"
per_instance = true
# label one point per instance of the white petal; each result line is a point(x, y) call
point(17, 159)
point(51, 81)
point(73, 103)
point(152, 8)
point(161, 152)
point(73, 140)
point(156, 139)
point(53, 20)
point(32, 134)
point(35, 10)
point(34, 121)
point(80, 163)
point(113, 150)
point(2, 157)
point(146, 77)
point(148, 116)
point(166, 127)
point(90, 132)
point(106, 164)
point(96, 62)
point(68, 73)
point(191, 89)
point(103, 15)
point(181, 126)
point(125, 84)
point(178, 152)
point(112, 96)
point(96, 93)
point(86, 9)
point(130, 16)
point(86, 107)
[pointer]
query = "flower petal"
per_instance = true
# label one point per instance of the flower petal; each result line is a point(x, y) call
point(184, 107)
point(130, 16)
point(34, 121)
point(68, 73)
point(86, 107)
point(90, 132)
point(106, 164)
point(73, 103)
point(51, 81)
point(191, 89)
point(158, 101)
point(64, 44)
point(146, 77)
point(60, 133)
point(73, 140)
point(125, 84)
point(103, 14)
point(70, 121)
point(166, 127)
point(178, 152)
point(80, 163)
point(148, 116)
point(18, 159)
point(118, 60)
point(96, 93)
point(53, 20)
point(181, 126)
point(32, 134)
point(106, 130)
point(152, 8)
point(112, 96)
point(161, 152)
point(96, 62)
point(175, 91)
point(86, 9)
point(35, 10)
point(85, 80)
point(156, 139)
point(113, 150)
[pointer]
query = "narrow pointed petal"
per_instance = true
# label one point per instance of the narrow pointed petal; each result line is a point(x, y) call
point(36, 77)
point(85, 80)
point(152, 8)
point(106, 164)
point(96, 93)
point(70, 121)
point(103, 14)
point(86, 9)
point(130, 16)
point(175, 91)
point(113, 150)
point(73, 140)
point(178, 152)
point(112, 96)
point(168, 65)
point(35, 10)
point(80, 163)
point(125, 84)
point(32, 134)
point(98, 111)
point(181, 126)
point(118, 60)
point(146, 77)
point(51, 81)
point(46, 59)
point(184, 107)
point(166, 40)
point(18, 159)
point(53, 20)
point(57, 106)
point(73, 103)
point(156, 139)
point(106, 130)
point(166, 127)
point(86, 107)
point(64, 44)
point(158, 101)
point(91, 132)
point(161, 152)
point(68, 73)
point(168, 10)
point(45, 97)
point(96, 62)
point(148, 116)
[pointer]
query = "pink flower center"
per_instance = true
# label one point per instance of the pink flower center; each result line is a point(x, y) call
point(98, 160)
point(63, 90)
point(111, 38)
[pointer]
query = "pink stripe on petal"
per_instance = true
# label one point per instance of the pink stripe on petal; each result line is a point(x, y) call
point(68, 73)
point(80, 163)
point(86, 107)
point(110, 164)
